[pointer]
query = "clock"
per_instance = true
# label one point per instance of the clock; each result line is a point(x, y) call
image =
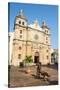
point(36, 36)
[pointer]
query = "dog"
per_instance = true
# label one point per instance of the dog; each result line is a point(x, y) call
point(45, 75)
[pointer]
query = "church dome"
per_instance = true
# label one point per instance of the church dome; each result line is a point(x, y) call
point(21, 15)
point(44, 25)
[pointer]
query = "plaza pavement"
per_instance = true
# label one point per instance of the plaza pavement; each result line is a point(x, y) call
point(19, 78)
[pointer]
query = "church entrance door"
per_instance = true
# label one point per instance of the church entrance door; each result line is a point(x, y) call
point(36, 57)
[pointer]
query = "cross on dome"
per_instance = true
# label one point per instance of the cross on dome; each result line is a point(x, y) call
point(21, 12)
point(44, 23)
point(21, 15)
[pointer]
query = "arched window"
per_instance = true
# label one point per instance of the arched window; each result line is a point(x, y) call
point(20, 31)
point(22, 23)
point(19, 22)
point(20, 48)
point(19, 56)
point(20, 36)
point(47, 57)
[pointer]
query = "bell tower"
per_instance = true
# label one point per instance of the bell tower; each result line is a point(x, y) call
point(21, 19)
point(20, 27)
point(45, 28)
point(46, 42)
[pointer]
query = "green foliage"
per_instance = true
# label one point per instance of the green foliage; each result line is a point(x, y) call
point(28, 59)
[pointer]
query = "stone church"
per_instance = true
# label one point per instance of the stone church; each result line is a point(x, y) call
point(30, 40)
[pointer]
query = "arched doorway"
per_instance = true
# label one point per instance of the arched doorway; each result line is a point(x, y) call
point(36, 57)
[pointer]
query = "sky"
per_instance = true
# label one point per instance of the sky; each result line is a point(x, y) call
point(41, 12)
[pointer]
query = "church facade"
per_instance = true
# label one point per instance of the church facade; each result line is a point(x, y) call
point(30, 40)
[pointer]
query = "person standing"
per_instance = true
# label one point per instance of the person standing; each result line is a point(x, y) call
point(38, 69)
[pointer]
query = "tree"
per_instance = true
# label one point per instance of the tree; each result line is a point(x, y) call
point(28, 60)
